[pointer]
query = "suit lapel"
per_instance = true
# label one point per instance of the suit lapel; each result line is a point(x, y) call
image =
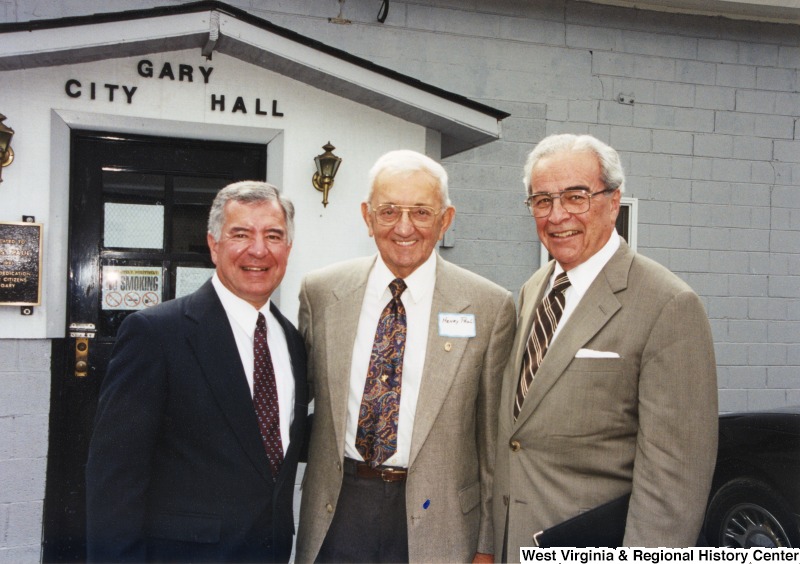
point(341, 325)
point(442, 357)
point(597, 306)
point(214, 346)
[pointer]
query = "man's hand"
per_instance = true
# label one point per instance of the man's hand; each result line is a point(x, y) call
point(482, 558)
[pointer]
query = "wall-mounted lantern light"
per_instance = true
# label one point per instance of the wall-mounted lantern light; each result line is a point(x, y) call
point(6, 153)
point(327, 165)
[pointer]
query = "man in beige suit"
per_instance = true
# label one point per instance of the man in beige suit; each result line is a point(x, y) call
point(625, 397)
point(430, 500)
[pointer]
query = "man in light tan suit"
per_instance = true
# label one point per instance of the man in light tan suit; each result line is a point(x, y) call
point(625, 397)
point(431, 499)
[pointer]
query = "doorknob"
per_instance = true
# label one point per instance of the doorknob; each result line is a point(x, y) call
point(81, 357)
point(82, 333)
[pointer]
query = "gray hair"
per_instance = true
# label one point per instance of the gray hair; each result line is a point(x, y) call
point(405, 162)
point(248, 192)
point(611, 172)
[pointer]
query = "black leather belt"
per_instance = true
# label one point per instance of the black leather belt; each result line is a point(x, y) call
point(385, 473)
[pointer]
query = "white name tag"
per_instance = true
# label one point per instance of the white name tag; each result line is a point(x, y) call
point(457, 325)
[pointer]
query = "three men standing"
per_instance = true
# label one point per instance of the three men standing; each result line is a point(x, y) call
point(414, 482)
point(418, 452)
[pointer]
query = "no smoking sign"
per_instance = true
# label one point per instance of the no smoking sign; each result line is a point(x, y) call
point(128, 288)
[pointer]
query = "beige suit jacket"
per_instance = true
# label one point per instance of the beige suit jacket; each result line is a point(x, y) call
point(592, 429)
point(453, 438)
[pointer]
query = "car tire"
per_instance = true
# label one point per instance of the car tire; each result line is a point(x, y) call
point(747, 513)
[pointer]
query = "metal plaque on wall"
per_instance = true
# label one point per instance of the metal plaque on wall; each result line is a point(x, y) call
point(20, 263)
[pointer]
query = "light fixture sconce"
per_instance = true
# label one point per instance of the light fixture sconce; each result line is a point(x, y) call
point(6, 153)
point(327, 165)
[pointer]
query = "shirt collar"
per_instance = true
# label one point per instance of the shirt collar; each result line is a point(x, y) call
point(582, 276)
point(240, 311)
point(418, 284)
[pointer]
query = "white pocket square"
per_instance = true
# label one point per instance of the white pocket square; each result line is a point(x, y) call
point(589, 353)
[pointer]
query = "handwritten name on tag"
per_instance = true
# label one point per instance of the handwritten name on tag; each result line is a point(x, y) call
point(457, 325)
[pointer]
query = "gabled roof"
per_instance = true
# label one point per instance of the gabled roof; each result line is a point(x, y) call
point(215, 26)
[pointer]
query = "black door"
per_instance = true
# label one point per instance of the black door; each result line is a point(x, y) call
point(138, 213)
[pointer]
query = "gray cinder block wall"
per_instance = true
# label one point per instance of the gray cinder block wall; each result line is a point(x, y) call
point(24, 413)
point(704, 111)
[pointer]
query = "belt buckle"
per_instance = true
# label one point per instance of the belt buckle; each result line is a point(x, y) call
point(388, 473)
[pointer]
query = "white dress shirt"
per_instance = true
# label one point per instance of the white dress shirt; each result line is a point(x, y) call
point(581, 277)
point(417, 300)
point(242, 317)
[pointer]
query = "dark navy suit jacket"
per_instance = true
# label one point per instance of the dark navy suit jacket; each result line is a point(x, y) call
point(176, 469)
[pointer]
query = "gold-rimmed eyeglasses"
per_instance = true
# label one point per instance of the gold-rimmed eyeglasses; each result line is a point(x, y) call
point(573, 200)
point(390, 214)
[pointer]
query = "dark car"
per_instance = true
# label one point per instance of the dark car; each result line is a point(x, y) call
point(755, 495)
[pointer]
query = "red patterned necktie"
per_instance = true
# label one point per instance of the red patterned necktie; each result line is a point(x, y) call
point(376, 438)
point(265, 397)
point(545, 321)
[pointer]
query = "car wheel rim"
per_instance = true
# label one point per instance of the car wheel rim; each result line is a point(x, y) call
point(748, 525)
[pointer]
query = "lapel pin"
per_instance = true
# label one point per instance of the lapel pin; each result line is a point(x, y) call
point(448, 345)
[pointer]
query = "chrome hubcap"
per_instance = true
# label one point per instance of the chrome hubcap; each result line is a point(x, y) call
point(748, 525)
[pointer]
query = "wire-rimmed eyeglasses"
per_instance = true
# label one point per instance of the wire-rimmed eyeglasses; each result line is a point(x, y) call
point(573, 200)
point(420, 216)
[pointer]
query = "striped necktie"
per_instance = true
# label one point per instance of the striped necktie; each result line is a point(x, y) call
point(545, 322)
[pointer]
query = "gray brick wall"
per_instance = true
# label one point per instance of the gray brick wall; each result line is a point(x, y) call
point(711, 145)
point(24, 409)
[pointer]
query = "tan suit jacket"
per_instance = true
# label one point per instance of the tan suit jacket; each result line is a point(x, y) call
point(592, 429)
point(453, 439)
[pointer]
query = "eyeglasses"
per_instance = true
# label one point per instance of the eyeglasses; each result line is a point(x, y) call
point(573, 200)
point(420, 216)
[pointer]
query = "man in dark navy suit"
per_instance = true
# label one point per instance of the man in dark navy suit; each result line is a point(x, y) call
point(181, 466)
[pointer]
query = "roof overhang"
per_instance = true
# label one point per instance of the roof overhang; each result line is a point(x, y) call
point(214, 26)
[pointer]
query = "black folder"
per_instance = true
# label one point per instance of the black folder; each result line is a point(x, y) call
point(603, 526)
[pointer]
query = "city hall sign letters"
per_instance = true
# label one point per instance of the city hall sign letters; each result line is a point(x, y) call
point(126, 93)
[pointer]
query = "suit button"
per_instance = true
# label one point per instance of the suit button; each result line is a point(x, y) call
point(329, 507)
point(515, 446)
point(338, 466)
